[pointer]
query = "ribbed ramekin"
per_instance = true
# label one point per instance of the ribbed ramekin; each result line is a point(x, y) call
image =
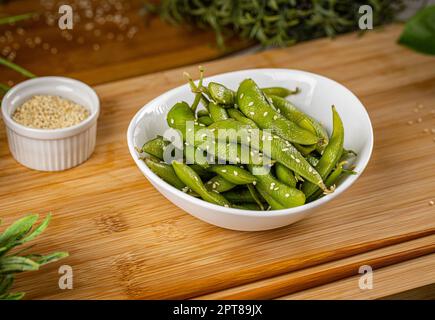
point(58, 149)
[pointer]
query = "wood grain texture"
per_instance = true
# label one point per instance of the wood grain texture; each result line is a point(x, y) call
point(333, 272)
point(127, 241)
point(415, 278)
point(155, 46)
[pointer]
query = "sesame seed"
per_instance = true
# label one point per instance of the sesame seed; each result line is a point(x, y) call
point(250, 104)
point(265, 114)
point(236, 173)
point(254, 183)
point(419, 120)
point(426, 130)
point(410, 122)
point(287, 195)
point(431, 203)
point(275, 117)
point(241, 95)
point(433, 131)
point(285, 149)
point(252, 113)
point(172, 121)
point(421, 106)
point(276, 189)
point(224, 170)
point(298, 161)
point(49, 112)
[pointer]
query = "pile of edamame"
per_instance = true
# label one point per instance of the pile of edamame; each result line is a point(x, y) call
point(303, 161)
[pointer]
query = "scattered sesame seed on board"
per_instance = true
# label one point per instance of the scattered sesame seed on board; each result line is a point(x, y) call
point(431, 203)
point(410, 122)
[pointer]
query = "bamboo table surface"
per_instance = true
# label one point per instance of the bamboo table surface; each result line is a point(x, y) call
point(127, 241)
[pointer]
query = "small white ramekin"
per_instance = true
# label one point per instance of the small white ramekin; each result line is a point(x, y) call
point(57, 149)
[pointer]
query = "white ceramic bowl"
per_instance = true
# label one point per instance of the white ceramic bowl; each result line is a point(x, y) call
point(57, 149)
point(317, 96)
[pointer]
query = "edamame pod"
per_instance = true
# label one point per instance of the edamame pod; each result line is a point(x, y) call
point(287, 196)
point(155, 147)
point(219, 184)
point(303, 120)
point(217, 112)
point(221, 94)
point(279, 91)
point(285, 175)
point(233, 174)
point(331, 155)
point(254, 105)
point(191, 179)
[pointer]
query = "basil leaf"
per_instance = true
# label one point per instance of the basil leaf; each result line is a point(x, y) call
point(419, 32)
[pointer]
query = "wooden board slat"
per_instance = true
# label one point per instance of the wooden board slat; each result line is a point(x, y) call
point(128, 241)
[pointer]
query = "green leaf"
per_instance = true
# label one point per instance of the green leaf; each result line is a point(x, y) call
point(14, 19)
point(41, 260)
point(419, 32)
point(12, 296)
point(6, 283)
point(17, 230)
point(38, 230)
point(17, 264)
point(16, 68)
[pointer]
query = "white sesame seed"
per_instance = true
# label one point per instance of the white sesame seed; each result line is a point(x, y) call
point(275, 117)
point(250, 104)
point(293, 157)
point(224, 170)
point(235, 173)
point(172, 121)
point(252, 113)
point(410, 122)
point(265, 114)
point(276, 189)
point(287, 195)
point(254, 183)
point(298, 161)
point(241, 95)
point(431, 203)
point(419, 120)
point(284, 149)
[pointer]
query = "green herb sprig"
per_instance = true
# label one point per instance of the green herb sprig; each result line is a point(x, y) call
point(14, 261)
point(274, 22)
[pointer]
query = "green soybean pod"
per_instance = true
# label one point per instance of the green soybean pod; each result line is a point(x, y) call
point(237, 115)
point(287, 196)
point(221, 94)
point(205, 120)
point(202, 113)
point(331, 155)
point(255, 105)
point(285, 175)
point(239, 196)
point(191, 179)
point(274, 204)
point(233, 174)
point(219, 184)
point(165, 172)
point(155, 147)
point(247, 206)
point(217, 112)
point(303, 120)
point(279, 91)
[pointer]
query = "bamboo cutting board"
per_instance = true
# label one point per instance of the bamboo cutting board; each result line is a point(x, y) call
point(127, 241)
